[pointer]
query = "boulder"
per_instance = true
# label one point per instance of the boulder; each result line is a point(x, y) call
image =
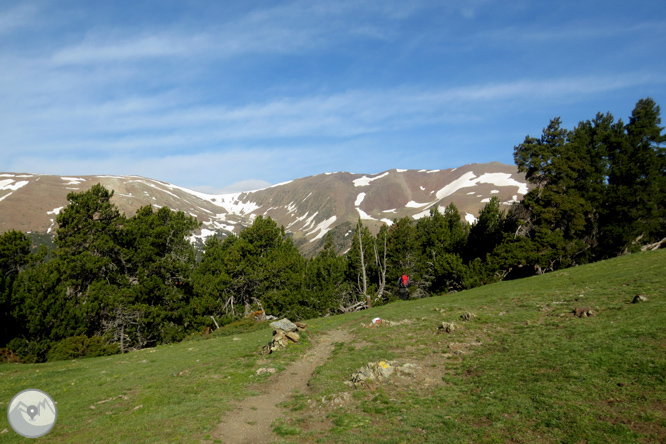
point(283, 325)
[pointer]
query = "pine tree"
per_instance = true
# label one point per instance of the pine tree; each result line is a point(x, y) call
point(634, 209)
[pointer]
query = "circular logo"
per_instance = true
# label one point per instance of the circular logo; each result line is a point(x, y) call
point(32, 413)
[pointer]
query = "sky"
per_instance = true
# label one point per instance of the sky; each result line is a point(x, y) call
point(237, 95)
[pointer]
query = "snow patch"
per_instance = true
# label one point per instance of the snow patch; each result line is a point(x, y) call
point(73, 180)
point(513, 200)
point(469, 179)
point(422, 214)
point(470, 218)
point(364, 215)
point(55, 211)
point(323, 227)
point(397, 170)
point(388, 222)
point(309, 222)
point(8, 184)
point(412, 204)
point(205, 234)
point(422, 188)
point(365, 180)
point(494, 191)
point(6, 195)
point(359, 199)
point(486, 200)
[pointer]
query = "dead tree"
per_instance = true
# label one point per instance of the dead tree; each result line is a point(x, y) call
point(381, 266)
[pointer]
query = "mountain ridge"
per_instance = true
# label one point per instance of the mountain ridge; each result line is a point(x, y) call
point(308, 207)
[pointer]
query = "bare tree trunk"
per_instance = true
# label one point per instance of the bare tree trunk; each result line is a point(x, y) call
point(654, 246)
point(381, 266)
point(365, 281)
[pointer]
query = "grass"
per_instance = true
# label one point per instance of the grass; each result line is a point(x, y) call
point(523, 370)
point(183, 390)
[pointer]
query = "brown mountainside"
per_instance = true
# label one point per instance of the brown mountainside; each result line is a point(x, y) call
point(308, 207)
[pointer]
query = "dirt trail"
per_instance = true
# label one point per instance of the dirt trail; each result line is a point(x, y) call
point(250, 422)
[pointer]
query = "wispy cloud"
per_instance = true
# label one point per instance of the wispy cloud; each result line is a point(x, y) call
point(142, 124)
point(16, 17)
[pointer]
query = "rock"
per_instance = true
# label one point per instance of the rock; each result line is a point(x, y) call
point(263, 370)
point(374, 371)
point(283, 331)
point(4, 431)
point(446, 327)
point(293, 336)
point(301, 325)
point(583, 312)
point(467, 316)
point(639, 298)
point(284, 325)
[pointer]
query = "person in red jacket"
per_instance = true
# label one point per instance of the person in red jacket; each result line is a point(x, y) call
point(403, 284)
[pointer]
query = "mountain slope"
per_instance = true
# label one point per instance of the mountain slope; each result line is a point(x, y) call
point(308, 207)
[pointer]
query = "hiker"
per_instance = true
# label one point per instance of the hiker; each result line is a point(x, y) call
point(403, 283)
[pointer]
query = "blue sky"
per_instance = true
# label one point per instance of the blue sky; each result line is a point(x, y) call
point(224, 96)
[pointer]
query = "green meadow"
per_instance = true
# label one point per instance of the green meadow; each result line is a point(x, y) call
point(523, 369)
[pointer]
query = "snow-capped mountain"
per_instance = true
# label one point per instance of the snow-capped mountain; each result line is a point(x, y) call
point(308, 207)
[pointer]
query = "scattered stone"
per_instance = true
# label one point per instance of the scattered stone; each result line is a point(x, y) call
point(341, 399)
point(639, 298)
point(408, 369)
point(446, 327)
point(502, 313)
point(467, 316)
point(301, 325)
point(263, 370)
point(583, 312)
point(140, 406)
point(104, 401)
point(4, 431)
point(386, 323)
point(92, 407)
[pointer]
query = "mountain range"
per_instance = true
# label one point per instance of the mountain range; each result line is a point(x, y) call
point(308, 207)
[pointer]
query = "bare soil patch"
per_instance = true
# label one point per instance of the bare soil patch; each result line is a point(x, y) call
point(251, 421)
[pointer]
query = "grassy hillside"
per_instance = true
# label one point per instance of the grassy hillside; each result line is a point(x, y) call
point(523, 370)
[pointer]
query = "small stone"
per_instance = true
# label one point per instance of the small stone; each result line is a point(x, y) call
point(467, 316)
point(446, 327)
point(140, 406)
point(639, 298)
point(4, 431)
point(583, 312)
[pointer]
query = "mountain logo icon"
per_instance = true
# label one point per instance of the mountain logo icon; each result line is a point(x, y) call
point(32, 413)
